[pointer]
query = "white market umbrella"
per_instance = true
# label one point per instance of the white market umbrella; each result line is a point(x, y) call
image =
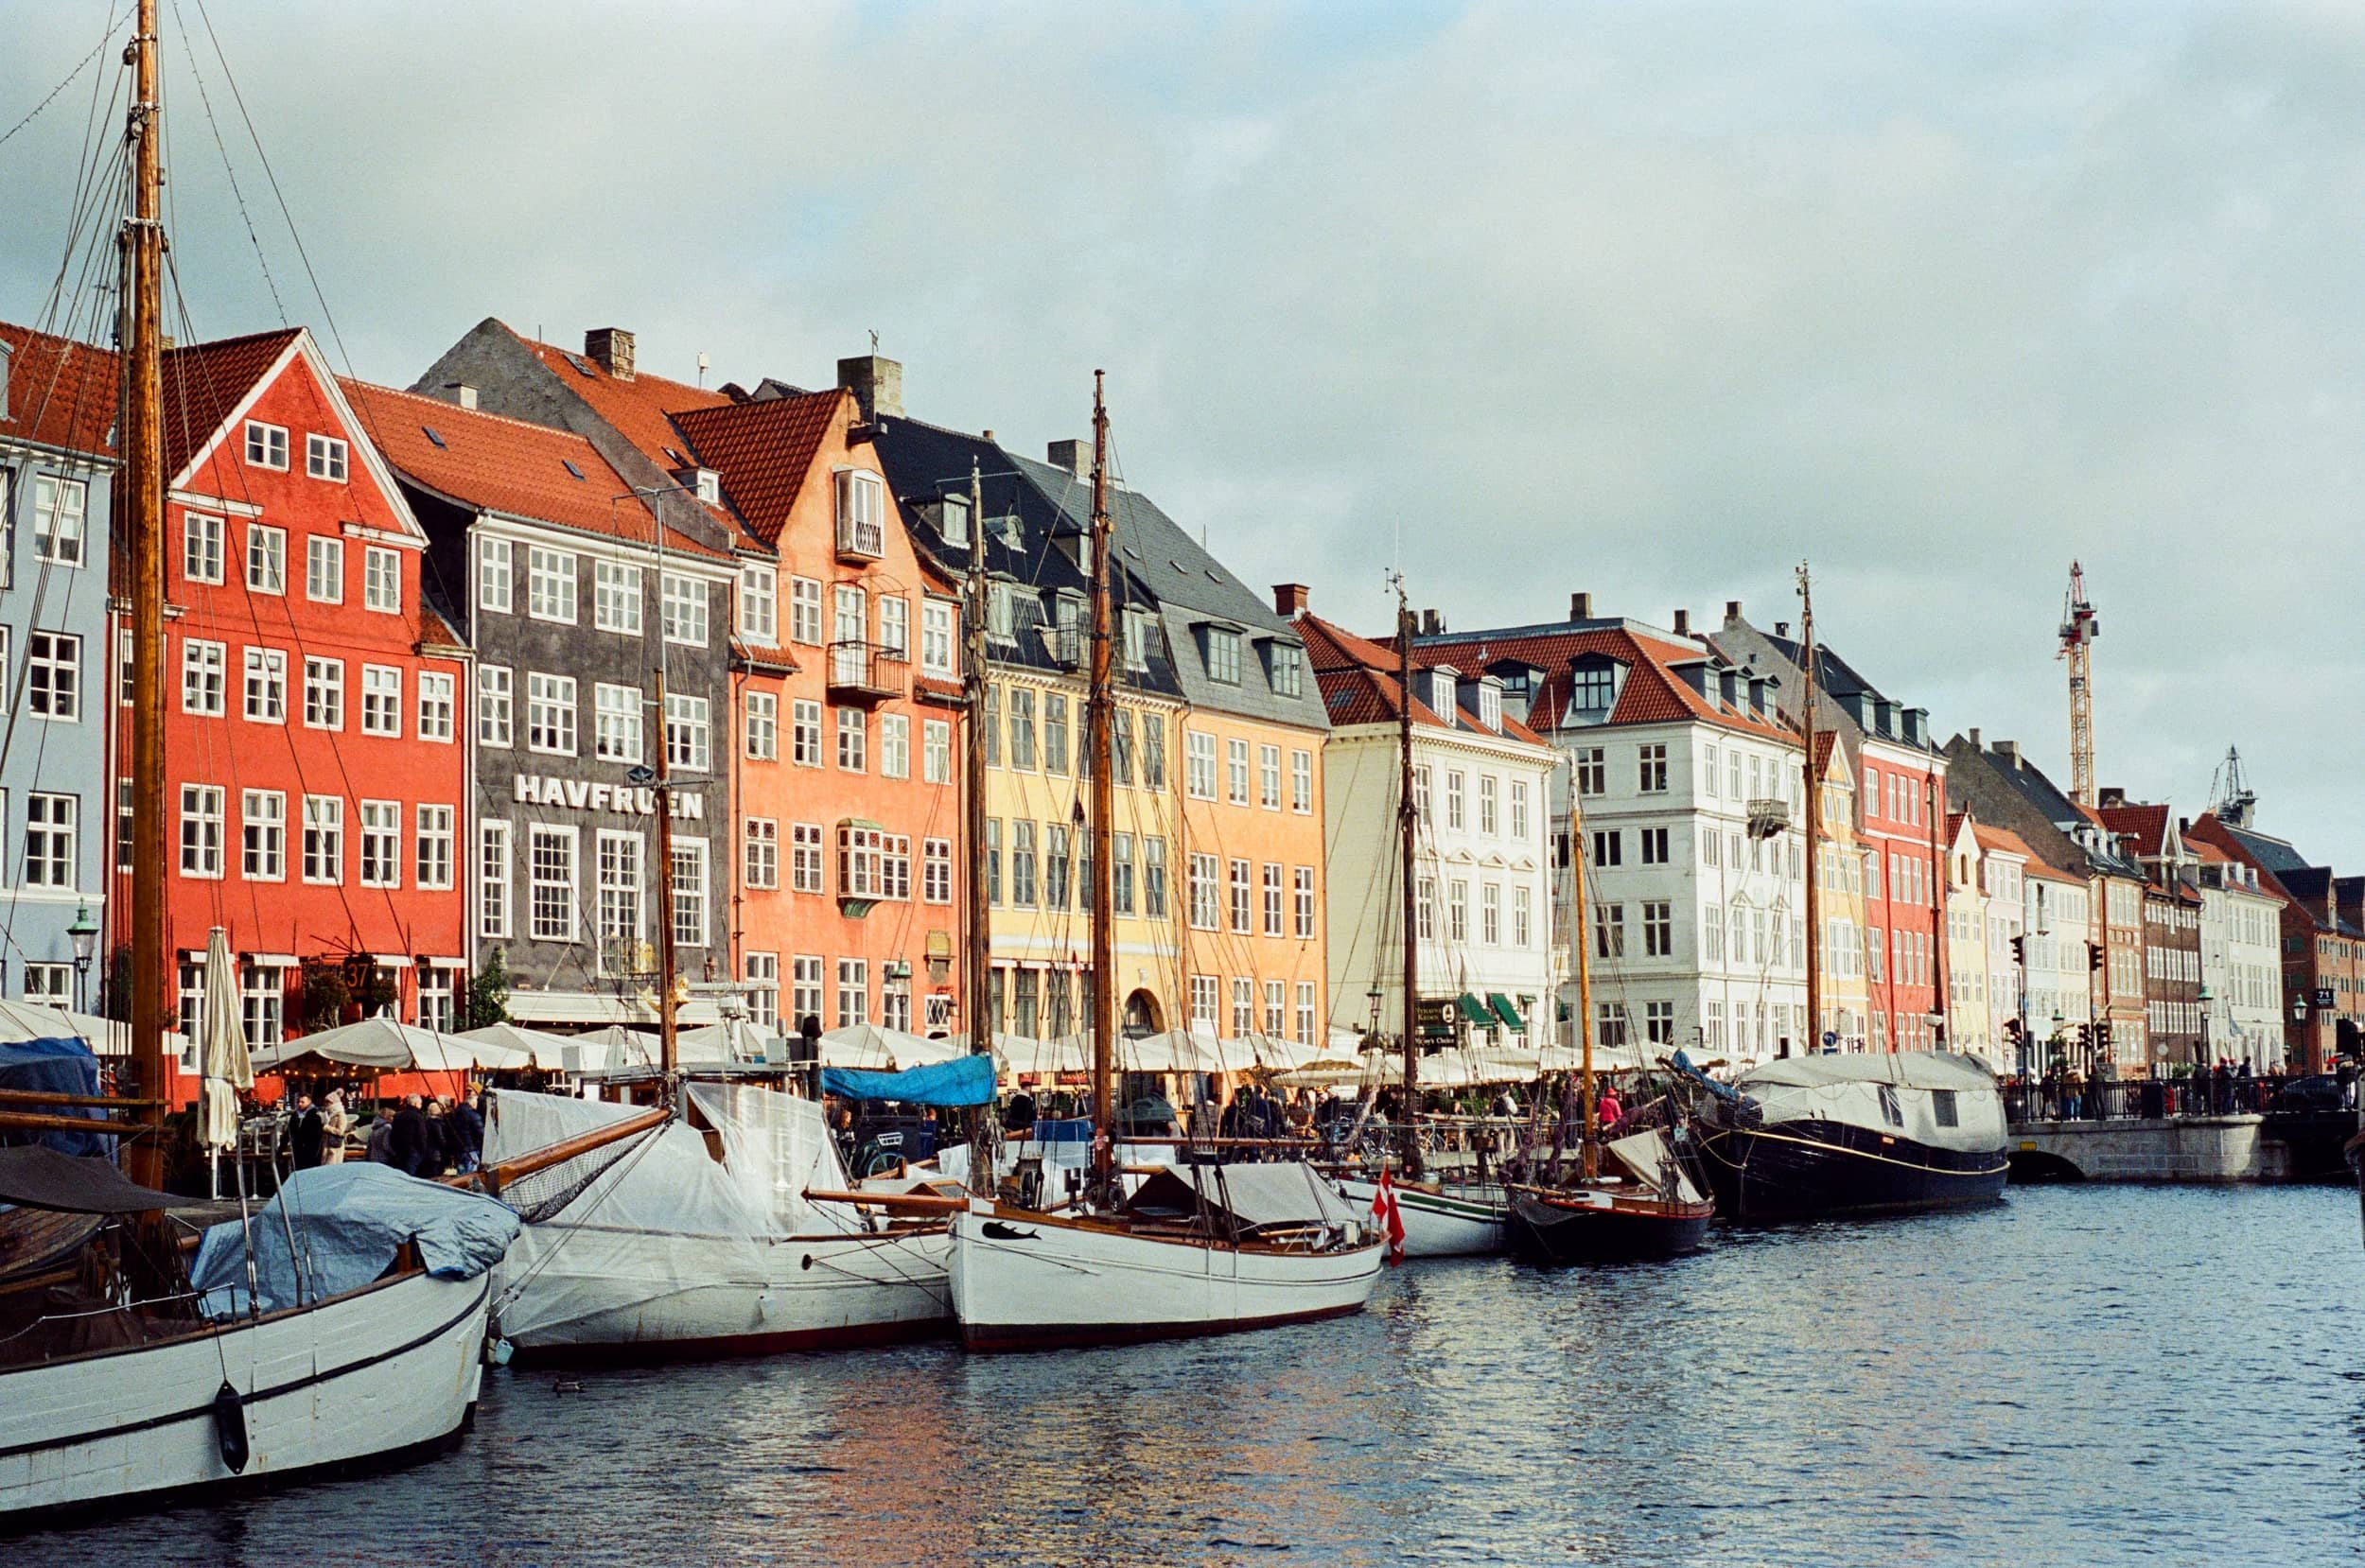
point(543, 1049)
point(720, 1044)
point(873, 1048)
point(383, 1045)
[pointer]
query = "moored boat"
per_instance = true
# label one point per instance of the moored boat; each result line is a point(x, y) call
point(1651, 1211)
point(1442, 1219)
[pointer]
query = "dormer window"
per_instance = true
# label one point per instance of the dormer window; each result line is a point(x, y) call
point(1001, 612)
point(1286, 670)
point(1594, 688)
point(1490, 705)
point(1223, 656)
point(708, 485)
point(861, 514)
point(1441, 684)
point(953, 520)
point(1137, 639)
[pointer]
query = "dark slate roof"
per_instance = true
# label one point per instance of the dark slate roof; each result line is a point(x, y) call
point(2272, 854)
point(2031, 784)
point(1841, 680)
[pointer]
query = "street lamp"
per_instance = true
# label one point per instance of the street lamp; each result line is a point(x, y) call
point(84, 934)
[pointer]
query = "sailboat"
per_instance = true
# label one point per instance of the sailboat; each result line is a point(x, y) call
point(1887, 1132)
point(1440, 1219)
point(1195, 1249)
point(1647, 1208)
point(357, 1345)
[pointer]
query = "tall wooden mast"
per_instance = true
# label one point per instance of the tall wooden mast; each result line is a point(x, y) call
point(1408, 835)
point(1104, 982)
point(977, 950)
point(1590, 1156)
point(1814, 818)
point(667, 1027)
point(143, 247)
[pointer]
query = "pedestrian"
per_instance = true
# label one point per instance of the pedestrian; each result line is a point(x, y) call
point(1610, 1111)
point(304, 1137)
point(467, 1120)
point(336, 1122)
point(439, 1141)
point(380, 1148)
point(408, 1149)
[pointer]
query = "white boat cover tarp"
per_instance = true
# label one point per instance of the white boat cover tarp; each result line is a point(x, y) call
point(349, 1220)
point(1647, 1154)
point(776, 1147)
point(1905, 1069)
point(1850, 1090)
point(1257, 1195)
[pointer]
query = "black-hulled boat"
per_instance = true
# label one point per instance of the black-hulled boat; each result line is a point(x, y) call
point(1885, 1133)
point(1651, 1211)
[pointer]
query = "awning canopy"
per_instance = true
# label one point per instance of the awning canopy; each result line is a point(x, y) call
point(1475, 1011)
point(1505, 1011)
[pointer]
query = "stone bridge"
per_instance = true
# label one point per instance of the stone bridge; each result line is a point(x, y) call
point(2204, 1148)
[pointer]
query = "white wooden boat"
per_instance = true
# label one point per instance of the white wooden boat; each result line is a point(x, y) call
point(1441, 1220)
point(674, 1253)
point(1270, 1245)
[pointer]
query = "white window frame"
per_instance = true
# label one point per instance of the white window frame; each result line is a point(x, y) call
point(758, 608)
point(496, 576)
point(381, 697)
point(381, 580)
point(266, 559)
point(760, 729)
point(551, 584)
point(323, 847)
point(616, 598)
point(496, 706)
point(324, 570)
point(325, 458)
point(266, 446)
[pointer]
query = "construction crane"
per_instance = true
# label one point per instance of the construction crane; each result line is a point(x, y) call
point(2080, 627)
point(2230, 794)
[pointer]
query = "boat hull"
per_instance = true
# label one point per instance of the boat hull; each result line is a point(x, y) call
point(369, 1379)
point(1812, 1168)
point(1600, 1228)
point(1450, 1222)
point(591, 1293)
point(1024, 1281)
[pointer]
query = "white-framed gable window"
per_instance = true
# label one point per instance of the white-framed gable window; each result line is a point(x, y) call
point(266, 559)
point(59, 506)
point(861, 513)
point(381, 580)
point(201, 548)
point(324, 569)
point(324, 458)
point(266, 445)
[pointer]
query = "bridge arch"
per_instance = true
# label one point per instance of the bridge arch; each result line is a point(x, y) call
point(2043, 1167)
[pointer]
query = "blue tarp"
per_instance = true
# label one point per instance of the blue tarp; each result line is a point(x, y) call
point(348, 1221)
point(968, 1081)
point(56, 1067)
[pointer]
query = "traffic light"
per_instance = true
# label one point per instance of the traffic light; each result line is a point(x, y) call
point(2094, 955)
point(2019, 951)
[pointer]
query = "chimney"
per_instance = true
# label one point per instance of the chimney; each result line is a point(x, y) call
point(1974, 737)
point(877, 384)
point(1430, 624)
point(610, 348)
point(1683, 623)
point(1580, 606)
point(1074, 456)
point(1289, 599)
point(1781, 628)
point(2009, 751)
point(1732, 612)
point(460, 393)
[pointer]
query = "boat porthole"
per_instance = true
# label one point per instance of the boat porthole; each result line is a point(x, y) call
point(807, 1262)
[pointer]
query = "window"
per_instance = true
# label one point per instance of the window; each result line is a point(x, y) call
point(381, 700)
point(993, 860)
point(936, 876)
point(1592, 771)
point(615, 596)
point(1891, 1111)
point(804, 734)
point(437, 698)
point(804, 857)
point(53, 675)
point(324, 839)
point(1055, 750)
point(760, 606)
point(49, 984)
point(804, 611)
point(1269, 778)
point(1122, 882)
point(550, 715)
point(1658, 930)
point(895, 633)
point(1651, 769)
point(203, 672)
point(690, 893)
point(861, 861)
point(1302, 782)
point(551, 584)
point(266, 559)
point(496, 570)
point(1609, 931)
point(493, 850)
point(324, 458)
point(1305, 885)
point(1455, 813)
point(1206, 898)
point(1154, 878)
point(381, 843)
point(1489, 822)
point(1276, 1007)
point(1654, 845)
point(935, 736)
point(496, 710)
point(854, 991)
point(688, 733)
point(1242, 921)
point(1273, 901)
point(1595, 688)
point(1288, 674)
point(434, 841)
point(1658, 1022)
point(59, 506)
point(1223, 656)
point(1490, 915)
point(1608, 847)
point(992, 726)
point(201, 548)
point(266, 445)
point(1154, 754)
point(763, 974)
point(381, 580)
point(1519, 810)
point(200, 829)
point(1023, 864)
point(805, 993)
point(895, 746)
point(1021, 727)
point(852, 737)
point(685, 610)
point(1521, 913)
point(551, 865)
point(52, 824)
point(762, 727)
point(1203, 1002)
point(1458, 911)
point(1199, 763)
point(861, 513)
point(935, 637)
point(1243, 1005)
point(262, 1004)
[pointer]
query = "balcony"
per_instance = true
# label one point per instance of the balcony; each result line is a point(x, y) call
point(867, 672)
point(1768, 817)
point(861, 539)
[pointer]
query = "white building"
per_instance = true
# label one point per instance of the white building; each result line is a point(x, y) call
point(2241, 960)
point(2057, 916)
point(1681, 792)
point(1483, 783)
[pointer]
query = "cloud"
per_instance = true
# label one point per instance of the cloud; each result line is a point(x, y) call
point(1652, 302)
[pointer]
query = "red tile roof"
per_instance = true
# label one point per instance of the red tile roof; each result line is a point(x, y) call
point(2147, 825)
point(60, 393)
point(763, 451)
point(1360, 684)
point(1652, 693)
point(204, 382)
point(638, 407)
point(508, 465)
point(2001, 840)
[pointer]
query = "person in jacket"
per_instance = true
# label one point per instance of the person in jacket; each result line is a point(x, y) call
point(336, 1122)
point(467, 1126)
point(380, 1149)
point(304, 1138)
point(408, 1148)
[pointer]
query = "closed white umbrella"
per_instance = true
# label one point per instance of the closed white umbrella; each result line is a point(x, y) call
point(222, 1059)
point(873, 1048)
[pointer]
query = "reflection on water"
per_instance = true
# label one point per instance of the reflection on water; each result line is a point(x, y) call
point(2088, 1375)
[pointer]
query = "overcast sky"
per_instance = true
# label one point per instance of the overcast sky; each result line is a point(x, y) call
point(1651, 301)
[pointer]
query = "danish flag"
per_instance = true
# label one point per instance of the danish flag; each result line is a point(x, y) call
point(1387, 1217)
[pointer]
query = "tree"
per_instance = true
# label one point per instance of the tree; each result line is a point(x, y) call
point(325, 995)
point(488, 992)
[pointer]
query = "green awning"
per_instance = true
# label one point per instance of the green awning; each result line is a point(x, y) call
point(1505, 1011)
point(1475, 1011)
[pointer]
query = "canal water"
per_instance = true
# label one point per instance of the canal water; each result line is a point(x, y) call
point(2093, 1375)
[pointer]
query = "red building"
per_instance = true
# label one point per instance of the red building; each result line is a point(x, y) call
point(316, 761)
